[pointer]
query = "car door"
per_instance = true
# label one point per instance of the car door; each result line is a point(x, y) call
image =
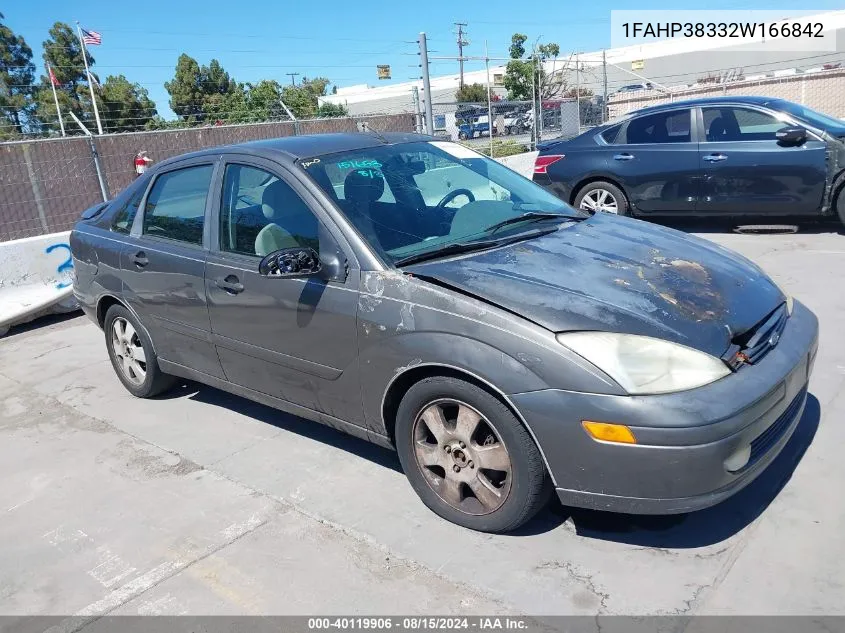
point(748, 171)
point(290, 338)
point(655, 159)
point(163, 265)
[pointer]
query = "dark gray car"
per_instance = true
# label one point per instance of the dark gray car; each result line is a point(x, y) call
point(419, 295)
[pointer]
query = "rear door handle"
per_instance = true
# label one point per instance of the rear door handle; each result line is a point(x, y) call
point(624, 156)
point(715, 158)
point(140, 259)
point(230, 284)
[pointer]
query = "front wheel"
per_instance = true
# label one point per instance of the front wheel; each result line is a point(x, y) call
point(468, 457)
point(602, 197)
point(840, 204)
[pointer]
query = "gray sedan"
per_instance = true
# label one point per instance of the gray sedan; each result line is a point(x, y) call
point(416, 294)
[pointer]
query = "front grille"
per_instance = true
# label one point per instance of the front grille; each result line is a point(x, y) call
point(761, 444)
point(760, 339)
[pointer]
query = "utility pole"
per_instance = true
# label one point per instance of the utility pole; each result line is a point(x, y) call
point(429, 118)
point(489, 105)
point(461, 43)
point(292, 75)
point(604, 110)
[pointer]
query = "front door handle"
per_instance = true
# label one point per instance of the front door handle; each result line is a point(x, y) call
point(624, 156)
point(140, 259)
point(715, 158)
point(230, 284)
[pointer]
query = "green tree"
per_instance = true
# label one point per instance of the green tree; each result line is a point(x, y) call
point(204, 93)
point(331, 110)
point(472, 93)
point(186, 95)
point(302, 99)
point(518, 72)
point(16, 76)
point(126, 106)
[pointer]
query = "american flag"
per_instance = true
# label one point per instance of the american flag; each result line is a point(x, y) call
point(91, 38)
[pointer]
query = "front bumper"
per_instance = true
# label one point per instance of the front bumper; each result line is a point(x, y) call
point(678, 464)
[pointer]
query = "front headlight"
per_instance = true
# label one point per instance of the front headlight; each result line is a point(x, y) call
point(645, 365)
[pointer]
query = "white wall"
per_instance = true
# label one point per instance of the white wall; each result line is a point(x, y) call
point(36, 277)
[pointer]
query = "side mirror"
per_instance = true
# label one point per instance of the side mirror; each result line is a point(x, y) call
point(290, 263)
point(791, 135)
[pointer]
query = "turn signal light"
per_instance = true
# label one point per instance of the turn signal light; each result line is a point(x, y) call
point(617, 433)
point(541, 163)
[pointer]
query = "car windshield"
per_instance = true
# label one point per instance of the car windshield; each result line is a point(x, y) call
point(809, 115)
point(411, 198)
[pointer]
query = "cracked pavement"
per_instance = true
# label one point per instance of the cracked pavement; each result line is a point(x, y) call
point(203, 503)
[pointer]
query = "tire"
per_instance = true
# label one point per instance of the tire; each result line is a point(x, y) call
point(840, 204)
point(462, 136)
point(594, 192)
point(498, 458)
point(139, 373)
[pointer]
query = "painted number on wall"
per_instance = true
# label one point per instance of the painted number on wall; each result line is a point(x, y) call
point(63, 268)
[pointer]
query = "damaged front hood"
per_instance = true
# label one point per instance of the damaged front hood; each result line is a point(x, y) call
point(619, 275)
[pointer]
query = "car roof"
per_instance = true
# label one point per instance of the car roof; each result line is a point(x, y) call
point(703, 101)
point(293, 148)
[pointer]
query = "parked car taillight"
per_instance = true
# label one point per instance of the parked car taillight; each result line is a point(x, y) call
point(541, 163)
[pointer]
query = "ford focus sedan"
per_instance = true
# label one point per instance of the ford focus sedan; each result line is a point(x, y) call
point(416, 294)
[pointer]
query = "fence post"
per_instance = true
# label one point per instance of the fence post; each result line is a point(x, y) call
point(104, 190)
point(293, 118)
point(37, 195)
point(605, 112)
point(417, 115)
point(429, 117)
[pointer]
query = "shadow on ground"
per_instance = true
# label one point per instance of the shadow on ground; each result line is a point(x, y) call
point(285, 421)
point(697, 529)
point(728, 225)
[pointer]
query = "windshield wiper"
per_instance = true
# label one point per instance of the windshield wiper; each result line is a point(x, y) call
point(448, 249)
point(532, 216)
point(457, 248)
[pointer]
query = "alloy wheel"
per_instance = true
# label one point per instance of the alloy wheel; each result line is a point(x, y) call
point(128, 351)
point(462, 457)
point(600, 200)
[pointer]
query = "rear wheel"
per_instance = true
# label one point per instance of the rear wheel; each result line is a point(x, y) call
point(132, 355)
point(468, 457)
point(602, 197)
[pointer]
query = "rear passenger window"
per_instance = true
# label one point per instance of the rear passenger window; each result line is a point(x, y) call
point(610, 134)
point(122, 221)
point(661, 127)
point(175, 208)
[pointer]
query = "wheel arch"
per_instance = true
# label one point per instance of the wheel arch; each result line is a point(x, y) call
point(106, 301)
point(403, 381)
point(103, 304)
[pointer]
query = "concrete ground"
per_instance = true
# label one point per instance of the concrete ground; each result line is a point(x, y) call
point(202, 503)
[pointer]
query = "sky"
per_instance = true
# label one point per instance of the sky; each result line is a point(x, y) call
point(343, 41)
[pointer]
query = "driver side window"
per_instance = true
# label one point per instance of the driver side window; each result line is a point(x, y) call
point(262, 213)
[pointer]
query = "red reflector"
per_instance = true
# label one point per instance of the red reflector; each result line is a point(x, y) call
point(541, 163)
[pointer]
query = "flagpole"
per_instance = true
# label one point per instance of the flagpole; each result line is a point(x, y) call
point(50, 76)
point(88, 77)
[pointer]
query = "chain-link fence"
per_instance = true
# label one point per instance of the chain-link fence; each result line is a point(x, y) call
point(46, 183)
